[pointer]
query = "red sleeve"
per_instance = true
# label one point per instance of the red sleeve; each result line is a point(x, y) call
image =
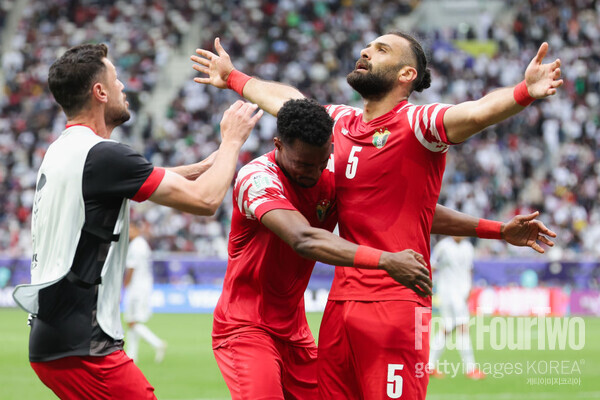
point(441, 129)
point(150, 185)
point(273, 205)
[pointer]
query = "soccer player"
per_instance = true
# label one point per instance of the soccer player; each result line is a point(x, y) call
point(389, 162)
point(138, 282)
point(80, 227)
point(452, 262)
point(285, 208)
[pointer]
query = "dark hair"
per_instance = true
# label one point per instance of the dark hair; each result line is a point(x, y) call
point(423, 80)
point(306, 120)
point(71, 76)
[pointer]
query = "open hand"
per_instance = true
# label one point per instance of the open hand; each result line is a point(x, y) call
point(238, 121)
point(542, 79)
point(217, 67)
point(525, 230)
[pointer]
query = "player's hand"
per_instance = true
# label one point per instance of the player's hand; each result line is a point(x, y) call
point(525, 230)
point(409, 269)
point(542, 79)
point(217, 67)
point(238, 121)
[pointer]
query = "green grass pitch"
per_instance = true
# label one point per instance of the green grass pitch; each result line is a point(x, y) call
point(190, 372)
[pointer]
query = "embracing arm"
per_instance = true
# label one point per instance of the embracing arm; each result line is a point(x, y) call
point(193, 171)
point(203, 195)
point(406, 267)
point(466, 119)
point(521, 230)
point(268, 95)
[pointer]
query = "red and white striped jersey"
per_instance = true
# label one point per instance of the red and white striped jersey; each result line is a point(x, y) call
point(388, 175)
point(266, 279)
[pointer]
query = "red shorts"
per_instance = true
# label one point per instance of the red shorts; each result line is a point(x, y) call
point(114, 376)
point(373, 350)
point(259, 366)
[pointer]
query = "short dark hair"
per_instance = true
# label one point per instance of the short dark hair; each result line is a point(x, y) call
point(71, 76)
point(305, 120)
point(423, 80)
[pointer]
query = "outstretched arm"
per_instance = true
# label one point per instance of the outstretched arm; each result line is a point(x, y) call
point(218, 70)
point(521, 230)
point(406, 267)
point(466, 119)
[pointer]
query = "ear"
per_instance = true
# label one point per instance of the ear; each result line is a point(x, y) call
point(99, 92)
point(407, 74)
point(277, 143)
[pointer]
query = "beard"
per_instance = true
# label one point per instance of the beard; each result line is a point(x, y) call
point(373, 85)
point(115, 116)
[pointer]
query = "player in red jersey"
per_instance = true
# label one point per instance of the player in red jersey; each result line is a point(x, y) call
point(389, 162)
point(285, 211)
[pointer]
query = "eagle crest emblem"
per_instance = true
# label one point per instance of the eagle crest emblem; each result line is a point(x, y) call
point(380, 137)
point(322, 207)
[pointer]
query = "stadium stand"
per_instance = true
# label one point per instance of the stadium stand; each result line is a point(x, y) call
point(546, 158)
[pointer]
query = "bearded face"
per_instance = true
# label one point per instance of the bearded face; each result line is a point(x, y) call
point(372, 83)
point(116, 114)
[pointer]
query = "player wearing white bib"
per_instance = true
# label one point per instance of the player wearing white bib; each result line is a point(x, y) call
point(139, 281)
point(80, 227)
point(452, 261)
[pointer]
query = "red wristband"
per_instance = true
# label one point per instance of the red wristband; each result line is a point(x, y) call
point(487, 229)
point(237, 80)
point(521, 95)
point(367, 257)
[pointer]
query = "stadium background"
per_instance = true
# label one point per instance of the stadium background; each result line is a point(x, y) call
point(547, 158)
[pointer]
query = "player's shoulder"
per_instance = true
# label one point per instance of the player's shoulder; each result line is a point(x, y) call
point(112, 148)
point(139, 244)
point(259, 166)
point(258, 174)
point(467, 244)
point(337, 111)
point(423, 111)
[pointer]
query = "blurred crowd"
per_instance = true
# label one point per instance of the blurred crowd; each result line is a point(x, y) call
point(546, 158)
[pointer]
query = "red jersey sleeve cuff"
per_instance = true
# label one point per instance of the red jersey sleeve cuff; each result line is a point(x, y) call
point(272, 205)
point(150, 185)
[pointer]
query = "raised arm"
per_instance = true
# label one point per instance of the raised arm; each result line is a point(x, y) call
point(204, 195)
point(406, 267)
point(466, 119)
point(218, 69)
point(193, 171)
point(521, 230)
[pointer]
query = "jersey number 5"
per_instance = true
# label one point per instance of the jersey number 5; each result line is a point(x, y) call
point(352, 162)
point(394, 382)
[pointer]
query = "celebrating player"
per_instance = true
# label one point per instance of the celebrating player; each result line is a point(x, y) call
point(389, 162)
point(285, 209)
point(80, 227)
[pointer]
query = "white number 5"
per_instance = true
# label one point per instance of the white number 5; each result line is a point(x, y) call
point(352, 162)
point(394, 382)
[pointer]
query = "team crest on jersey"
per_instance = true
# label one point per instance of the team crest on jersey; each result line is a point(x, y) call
point(322, 207)
point(380, 137)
